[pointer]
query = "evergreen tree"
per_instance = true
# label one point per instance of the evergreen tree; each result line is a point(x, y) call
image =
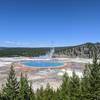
point(24, 88)
point(64, 89)
point(0, 96)
point(10, 91)
point(91, 90)
point(56, 94)
point(84, 85)
point(31, 93)
point(48, 93)
point(74, 87)
point(40, 94)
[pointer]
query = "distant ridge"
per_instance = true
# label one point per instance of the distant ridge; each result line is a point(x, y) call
point(84, 51)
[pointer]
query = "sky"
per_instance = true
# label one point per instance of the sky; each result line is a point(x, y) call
point(44, 23)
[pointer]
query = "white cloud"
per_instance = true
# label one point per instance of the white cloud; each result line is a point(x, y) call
point(15, 43)
point(9, 42)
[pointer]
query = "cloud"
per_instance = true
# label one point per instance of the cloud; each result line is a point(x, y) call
point(15, 43)
point(9, 42)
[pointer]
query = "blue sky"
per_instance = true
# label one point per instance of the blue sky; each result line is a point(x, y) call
point(37, 23)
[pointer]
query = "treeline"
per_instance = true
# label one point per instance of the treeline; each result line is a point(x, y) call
point(28, 52)
point(72, 88)
point(83, 51)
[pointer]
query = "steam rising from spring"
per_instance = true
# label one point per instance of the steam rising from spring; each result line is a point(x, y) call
point(49, 54)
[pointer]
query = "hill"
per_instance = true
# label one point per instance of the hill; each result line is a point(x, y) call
point(83, 51)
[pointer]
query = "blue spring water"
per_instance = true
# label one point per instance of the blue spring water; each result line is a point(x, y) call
point(43, 64)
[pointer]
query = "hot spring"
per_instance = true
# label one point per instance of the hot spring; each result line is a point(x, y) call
point(43, 63)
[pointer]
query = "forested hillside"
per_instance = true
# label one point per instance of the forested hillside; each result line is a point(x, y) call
point(28, 52)
point(83, 51)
